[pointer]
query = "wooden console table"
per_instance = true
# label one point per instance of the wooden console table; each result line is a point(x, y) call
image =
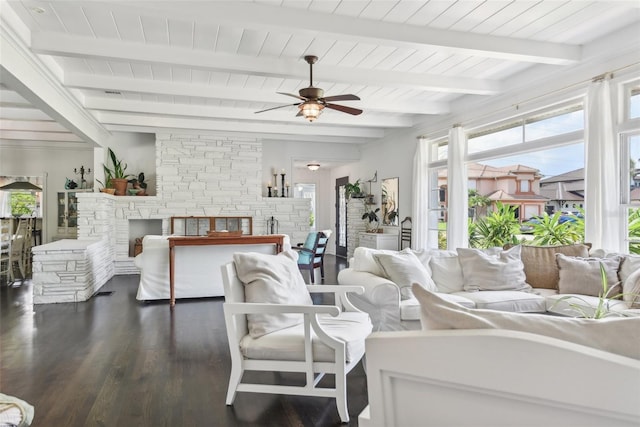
point(275, 239)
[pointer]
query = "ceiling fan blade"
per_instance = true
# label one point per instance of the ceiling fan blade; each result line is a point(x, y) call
point(348, 110)
point(291, 94)
point(275, 108)
point(347, 97)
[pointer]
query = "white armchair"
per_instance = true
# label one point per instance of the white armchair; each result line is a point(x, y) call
point(329, 340)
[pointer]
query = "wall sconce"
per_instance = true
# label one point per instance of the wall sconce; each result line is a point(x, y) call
point(313, 166)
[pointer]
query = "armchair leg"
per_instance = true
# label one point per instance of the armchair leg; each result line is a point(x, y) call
point(234, 381)
point(341, 398)
point(313, 279)
point(322, 270)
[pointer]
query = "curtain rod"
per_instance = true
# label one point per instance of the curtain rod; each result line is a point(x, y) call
point(601, 77)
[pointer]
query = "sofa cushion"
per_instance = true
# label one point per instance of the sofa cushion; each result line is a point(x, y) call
point(580, 275)
point(410, 308)
point(486, 271)
point(404, 268)
point(288, 343)
point(575, 305)
point(446, 271)
point(540, 266)
point(273, 279)
point(615, 335)
point(517, 301)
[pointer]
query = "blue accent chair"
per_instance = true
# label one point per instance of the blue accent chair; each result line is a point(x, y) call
point(311, 253)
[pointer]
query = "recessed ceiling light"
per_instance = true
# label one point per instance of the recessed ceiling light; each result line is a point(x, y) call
point(38, 10)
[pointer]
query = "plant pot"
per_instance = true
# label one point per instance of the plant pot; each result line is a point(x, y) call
point(111, 191)
point(120, 184)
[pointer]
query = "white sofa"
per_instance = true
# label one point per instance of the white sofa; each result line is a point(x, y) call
point(391, 309)
point(474, 367)
point(496, 378)
point(197, 268)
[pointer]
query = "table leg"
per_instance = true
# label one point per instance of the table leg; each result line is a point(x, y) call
point(172, 291)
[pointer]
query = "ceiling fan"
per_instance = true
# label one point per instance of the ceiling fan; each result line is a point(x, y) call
point(313, 101)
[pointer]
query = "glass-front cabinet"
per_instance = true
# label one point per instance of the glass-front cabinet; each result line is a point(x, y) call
point(67, 214)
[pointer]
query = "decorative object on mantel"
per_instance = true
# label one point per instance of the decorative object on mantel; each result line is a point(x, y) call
point(70, 184)
point(139, 186)
point(272, 225)
point(119, 179)
point(272, 191)
point(82, 171)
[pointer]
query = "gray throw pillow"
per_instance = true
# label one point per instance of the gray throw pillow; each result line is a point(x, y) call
point(582, 275)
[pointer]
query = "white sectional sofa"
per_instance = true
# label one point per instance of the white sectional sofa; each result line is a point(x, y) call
point(504, 369)
point(523, 279)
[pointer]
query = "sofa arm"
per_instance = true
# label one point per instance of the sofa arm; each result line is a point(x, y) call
point(381, 298)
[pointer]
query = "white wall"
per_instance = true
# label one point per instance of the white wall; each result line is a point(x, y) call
point(55, 165)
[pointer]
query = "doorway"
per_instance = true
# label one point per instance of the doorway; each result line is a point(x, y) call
point(341, 217)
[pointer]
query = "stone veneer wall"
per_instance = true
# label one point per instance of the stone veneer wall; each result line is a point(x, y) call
point(355, 224)
point(196, 175)
point(70, 270)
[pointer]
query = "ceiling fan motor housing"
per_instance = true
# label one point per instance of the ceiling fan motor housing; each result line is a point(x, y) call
point(311, 92)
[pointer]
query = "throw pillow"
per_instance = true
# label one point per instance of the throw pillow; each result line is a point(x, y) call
point(404, 268)
point(273, 279)
point(540, 267)
point(615, 335)
point(494, 271)
point(363, 260)
point(631, 290)
point(582, 275)
point(630, 264)
point(446, 271)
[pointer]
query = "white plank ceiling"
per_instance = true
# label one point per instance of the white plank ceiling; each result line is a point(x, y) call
point(154, 66)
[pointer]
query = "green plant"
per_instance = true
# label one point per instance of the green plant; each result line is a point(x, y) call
point(22, 203)
point(634, 231)
point(352, 189)
point(107, 178)
point(117, 170)
point(478, 202)
point(602, 309)
point(549, 231)
point(496, 229)
point(139, 181)
point(371, 215)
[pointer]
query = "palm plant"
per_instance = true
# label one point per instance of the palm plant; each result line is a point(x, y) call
point(634, 231)
point(496, 229)
point(550, 231)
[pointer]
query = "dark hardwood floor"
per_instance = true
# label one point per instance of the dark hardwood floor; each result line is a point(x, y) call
point(113, 361)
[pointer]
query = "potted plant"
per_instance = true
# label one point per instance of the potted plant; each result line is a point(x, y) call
point(353, 190)
point(117, 176)
point(138, 184)
point(374, 221)
point(107, 185)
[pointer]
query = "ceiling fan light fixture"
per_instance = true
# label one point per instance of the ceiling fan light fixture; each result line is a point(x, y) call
point(311, 110)
point(313, 166)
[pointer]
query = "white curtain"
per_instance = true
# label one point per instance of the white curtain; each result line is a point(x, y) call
point(603, 228)
point(458, 212)
point(421, 186)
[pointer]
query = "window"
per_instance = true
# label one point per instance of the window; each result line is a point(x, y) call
point(524, 186)
point(634, 104)
point(546, 124)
